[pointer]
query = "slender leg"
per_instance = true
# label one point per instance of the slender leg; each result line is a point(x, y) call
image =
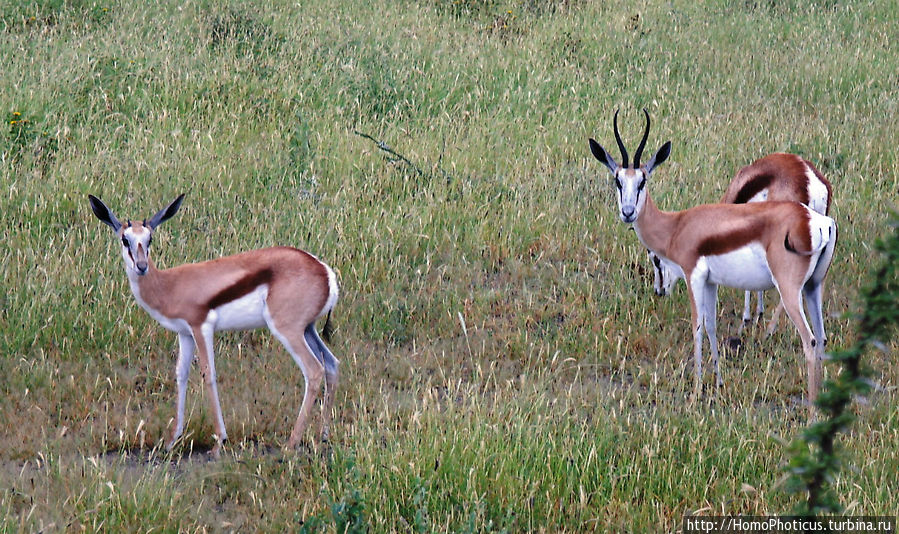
point(331, 365)
point(791, 299)
point(710, 304)
point(186, 347)
point(696, 309)
point(813, 300)
point(203, 338)
point(775, 318)
point(294, 341)
point(747, 315)
point(760, 304)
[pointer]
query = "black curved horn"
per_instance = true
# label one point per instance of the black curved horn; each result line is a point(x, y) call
point(642, 142)
point(618, 140)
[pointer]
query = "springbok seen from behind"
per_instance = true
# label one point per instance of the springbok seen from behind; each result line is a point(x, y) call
point(754, 246)
point(282, 288)
point(775, 177)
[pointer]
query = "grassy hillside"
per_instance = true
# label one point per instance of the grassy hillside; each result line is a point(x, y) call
point(505, 365)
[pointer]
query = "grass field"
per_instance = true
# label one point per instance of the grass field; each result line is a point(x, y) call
point(505, 366)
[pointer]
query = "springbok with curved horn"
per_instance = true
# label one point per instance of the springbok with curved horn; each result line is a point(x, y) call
point(282, 288)
point(752, 246)
point(775, 177)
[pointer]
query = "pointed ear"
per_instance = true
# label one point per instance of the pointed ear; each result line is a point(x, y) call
point(600, 153)
point(659, 157)
point(166, 213)
point(104, 213)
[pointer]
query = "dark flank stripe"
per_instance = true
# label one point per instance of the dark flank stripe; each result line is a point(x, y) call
point(752, 187)
point(717, 244)
point(241, 287)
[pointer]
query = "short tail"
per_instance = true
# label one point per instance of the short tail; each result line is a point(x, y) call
point(791, 248)
point(328, 329)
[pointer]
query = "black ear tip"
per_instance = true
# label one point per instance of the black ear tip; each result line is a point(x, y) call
point(96, 203)
point(597, 151)
point(664, 152)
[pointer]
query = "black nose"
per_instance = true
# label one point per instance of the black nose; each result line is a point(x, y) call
point(627, 211)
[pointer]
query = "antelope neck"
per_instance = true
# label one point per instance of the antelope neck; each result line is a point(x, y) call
point(653, 227)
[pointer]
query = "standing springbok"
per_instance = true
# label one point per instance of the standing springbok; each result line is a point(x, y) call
point(775, 177)
point(752, 246)
point(282, 288)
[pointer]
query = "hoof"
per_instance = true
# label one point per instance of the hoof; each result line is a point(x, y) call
point(733, 343)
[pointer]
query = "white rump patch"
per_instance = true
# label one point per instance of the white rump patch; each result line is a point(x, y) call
point(333, 291)
point(817, 191)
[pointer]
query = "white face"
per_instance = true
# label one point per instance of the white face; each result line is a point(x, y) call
point(631, 186)
point(136, 239)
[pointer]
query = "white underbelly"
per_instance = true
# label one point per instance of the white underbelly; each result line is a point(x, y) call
point(245, 313)
point(744, 268)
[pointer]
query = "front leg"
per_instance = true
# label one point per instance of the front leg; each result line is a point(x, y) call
point(710, 303)
point(760, 305)
point(696, 321)
point(203, 337)
point(186, 348)
point(747, 315)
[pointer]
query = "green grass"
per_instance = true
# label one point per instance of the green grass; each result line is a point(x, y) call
point(562, 403)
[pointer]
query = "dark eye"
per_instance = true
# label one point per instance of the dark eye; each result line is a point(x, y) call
point(150, 241)
point(642, 184)
point(617, 183)
point(125, 242)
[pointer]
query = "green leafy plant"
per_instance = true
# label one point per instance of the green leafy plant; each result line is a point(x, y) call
point(816, 458)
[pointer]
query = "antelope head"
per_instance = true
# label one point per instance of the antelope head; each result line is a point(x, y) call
point(630, 178)
point(137, 236)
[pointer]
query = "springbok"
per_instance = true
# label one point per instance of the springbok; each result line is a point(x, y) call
point(754, 246)
point(282, 288)
point(775, 177)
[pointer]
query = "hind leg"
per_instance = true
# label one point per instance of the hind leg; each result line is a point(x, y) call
point(294, 341)
point(331, 365)
point(813, 300)
point(791, 299)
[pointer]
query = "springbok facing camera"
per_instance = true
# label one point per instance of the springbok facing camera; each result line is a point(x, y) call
point(282, 288)
point(775, 177)
point(753, 247)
